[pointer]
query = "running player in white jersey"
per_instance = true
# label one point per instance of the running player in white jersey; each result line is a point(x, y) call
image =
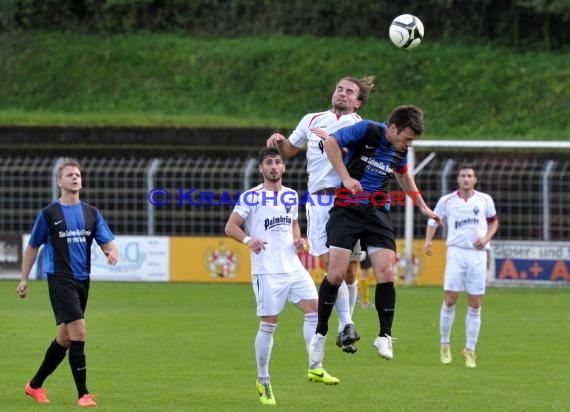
point(349, 95)
point(471, 224)
point(269, 213)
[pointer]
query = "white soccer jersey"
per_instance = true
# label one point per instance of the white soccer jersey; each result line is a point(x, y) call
point(321, 173)
point(466, 220)
point(269, 216)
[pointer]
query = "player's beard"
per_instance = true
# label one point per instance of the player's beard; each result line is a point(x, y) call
point(340, 106)
point(273, 178)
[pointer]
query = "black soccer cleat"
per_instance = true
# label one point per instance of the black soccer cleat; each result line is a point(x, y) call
point(348, 336)
point(348, 348)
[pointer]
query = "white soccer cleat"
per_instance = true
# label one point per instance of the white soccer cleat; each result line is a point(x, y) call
point(317, 348)
point(384, 346)
point(470, 358)
point(445, 354)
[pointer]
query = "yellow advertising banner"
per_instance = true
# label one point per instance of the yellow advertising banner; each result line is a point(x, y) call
point(208, 259)
point(428, 270)
point(221, 260)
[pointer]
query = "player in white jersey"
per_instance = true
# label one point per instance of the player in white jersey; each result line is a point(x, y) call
point(349, 95)
point(471, 224)
point(269, 213)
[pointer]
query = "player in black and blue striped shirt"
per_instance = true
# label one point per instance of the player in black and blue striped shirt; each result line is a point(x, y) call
point(67, 228)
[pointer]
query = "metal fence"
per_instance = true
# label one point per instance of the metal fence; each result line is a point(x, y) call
point(531, 191)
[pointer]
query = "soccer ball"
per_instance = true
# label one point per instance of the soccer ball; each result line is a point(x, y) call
point(406, 31)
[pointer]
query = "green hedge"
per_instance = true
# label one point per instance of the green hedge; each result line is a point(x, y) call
point(505, 21)
point(467, 89)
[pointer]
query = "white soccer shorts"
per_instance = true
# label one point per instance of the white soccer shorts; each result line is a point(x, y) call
point(273, 290)
point(465, 270)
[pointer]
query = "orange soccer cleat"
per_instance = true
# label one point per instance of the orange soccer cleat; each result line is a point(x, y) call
point(86, 400)
point(39, 394)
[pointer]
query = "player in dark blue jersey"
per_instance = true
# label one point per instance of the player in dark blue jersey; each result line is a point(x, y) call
point(67, 228)
point(377, 152)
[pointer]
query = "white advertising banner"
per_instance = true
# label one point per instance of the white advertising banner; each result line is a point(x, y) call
point(141, 259)
point(10, 257)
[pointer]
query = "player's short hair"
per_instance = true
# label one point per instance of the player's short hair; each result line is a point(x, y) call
point(267, 152)
point(65, 163)
point(408, 116)
point(365, 86)
point(464, 166)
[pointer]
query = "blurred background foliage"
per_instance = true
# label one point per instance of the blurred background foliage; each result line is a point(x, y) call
point(516, 23)
point(485, 70)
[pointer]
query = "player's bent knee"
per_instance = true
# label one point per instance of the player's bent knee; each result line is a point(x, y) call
point(385, 275)
point(335, 278)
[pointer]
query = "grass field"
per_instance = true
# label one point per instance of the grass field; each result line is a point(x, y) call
point(189, 347)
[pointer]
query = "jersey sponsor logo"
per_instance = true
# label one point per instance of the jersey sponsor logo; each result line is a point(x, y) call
point(75, 236)
point(277, 221)
point(468, 221)
point(374, 166)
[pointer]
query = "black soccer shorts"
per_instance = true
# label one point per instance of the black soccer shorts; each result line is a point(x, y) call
point(368, 223)
point(68, 297)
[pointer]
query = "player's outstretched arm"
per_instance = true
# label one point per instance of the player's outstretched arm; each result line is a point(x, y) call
point(286, 149)
point(407, 182)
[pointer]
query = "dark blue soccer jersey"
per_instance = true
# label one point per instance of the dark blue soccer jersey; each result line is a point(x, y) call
point(68, 232)
point(371, 159)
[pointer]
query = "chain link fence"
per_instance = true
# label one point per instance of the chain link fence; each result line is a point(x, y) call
point(531, 191)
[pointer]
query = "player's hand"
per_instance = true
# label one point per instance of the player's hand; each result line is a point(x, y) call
point(299, 244)
point(437, 219)
point(256, 245)
point(352, 184)
point(427, 212)
point(112, 257)
point(427, 248)
point(480, 243)
point(22, 289)
point(320, 133)
point(275, 139)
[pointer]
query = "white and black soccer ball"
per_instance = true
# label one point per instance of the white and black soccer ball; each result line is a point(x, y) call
point(406, 31)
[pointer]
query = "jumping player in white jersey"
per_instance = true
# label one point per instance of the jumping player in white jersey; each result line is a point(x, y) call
point(270, 213)
point(349, 95)
point(471, 224)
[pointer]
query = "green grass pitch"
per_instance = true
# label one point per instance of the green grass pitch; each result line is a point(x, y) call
point(190, 347)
